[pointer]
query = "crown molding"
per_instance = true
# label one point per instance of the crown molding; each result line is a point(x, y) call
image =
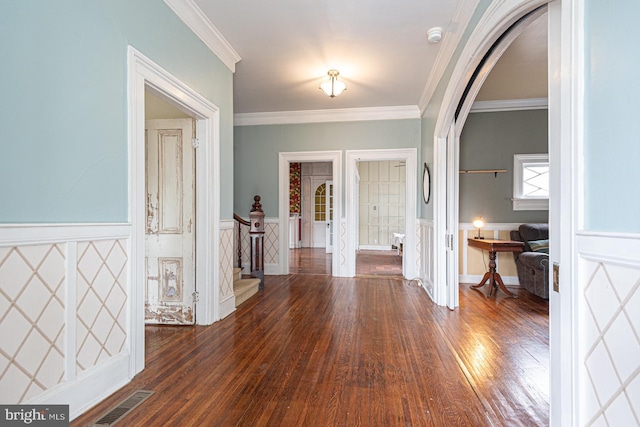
point(189, 12)
point(326, 116)
point(510, 105)
point(452, 36)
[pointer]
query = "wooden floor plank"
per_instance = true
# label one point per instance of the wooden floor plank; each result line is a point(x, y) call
point(313, 350)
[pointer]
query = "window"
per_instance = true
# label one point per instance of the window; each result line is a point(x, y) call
point(530, 182)
point(320, 203)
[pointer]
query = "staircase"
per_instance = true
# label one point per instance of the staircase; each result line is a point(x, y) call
point(243, 289)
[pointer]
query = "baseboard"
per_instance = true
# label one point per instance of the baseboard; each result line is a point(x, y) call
point(89, 388)
point(272, 270)
point(375, 248)
point(227, 306)
point(472, 278)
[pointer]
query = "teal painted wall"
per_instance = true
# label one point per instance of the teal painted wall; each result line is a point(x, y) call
point(63, 109)
point(430, 114)
point(489, 141)
point(256, 151)
point(612, 105)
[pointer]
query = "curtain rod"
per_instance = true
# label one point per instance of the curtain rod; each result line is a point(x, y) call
point(495, 172)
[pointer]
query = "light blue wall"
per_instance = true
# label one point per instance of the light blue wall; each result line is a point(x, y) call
point(489, 141)
point(256, 151)
point(430, 115)
point(63, 109)
point(612, 109)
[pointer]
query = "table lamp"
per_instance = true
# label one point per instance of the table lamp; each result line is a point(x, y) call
point(478, 223)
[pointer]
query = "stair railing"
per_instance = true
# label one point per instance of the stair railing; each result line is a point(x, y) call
point(256, 232)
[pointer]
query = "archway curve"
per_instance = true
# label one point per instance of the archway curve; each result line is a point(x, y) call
point(498, 20)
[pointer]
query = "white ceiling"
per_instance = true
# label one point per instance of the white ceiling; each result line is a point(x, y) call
point(380, 48)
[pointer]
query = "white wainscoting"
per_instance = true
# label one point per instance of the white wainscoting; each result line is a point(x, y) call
point(227, 297)
point(64, 315)
point(608, 295)
point(425, 254)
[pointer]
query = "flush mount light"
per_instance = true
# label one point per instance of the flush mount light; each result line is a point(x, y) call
point(434, 35)
point(333, 87)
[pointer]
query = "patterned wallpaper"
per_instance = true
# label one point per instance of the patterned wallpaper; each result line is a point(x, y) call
point(295, 187)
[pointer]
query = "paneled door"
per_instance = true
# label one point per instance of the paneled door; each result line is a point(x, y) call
point(170, 229)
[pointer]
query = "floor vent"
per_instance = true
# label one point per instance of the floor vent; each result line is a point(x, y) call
point(122, 409)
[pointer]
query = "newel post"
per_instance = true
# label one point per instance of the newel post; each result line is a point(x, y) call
point(256, 231)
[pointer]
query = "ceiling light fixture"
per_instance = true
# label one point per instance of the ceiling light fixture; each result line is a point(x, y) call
point(333, 87)
point(434, 35)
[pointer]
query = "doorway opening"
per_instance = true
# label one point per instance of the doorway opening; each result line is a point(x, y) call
point(319, 206)
point(381, 223)
point(399, 168)
point(311, 217)
point(170, 285)
point(146, 76)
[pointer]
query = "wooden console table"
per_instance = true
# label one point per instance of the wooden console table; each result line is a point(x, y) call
point(494, 246)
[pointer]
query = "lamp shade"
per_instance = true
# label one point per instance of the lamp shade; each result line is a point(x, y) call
point(478, 223)
point(333, 87)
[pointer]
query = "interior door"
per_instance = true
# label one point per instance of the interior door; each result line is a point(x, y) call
point(329, 205)
point(170, 230)
point(452, 217)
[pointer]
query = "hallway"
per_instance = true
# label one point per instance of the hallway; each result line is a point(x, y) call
point(368, 263)
point(312, 350)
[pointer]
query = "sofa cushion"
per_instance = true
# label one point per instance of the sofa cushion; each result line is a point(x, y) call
point(530, 232)
point(541, 246)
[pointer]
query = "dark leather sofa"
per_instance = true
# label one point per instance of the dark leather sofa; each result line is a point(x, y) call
point(533, 267)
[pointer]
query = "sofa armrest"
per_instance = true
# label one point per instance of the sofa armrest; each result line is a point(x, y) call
point(535, 260)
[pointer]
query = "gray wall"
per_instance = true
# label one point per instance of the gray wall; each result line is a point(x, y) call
point(612, 127)
point(489, 141)
point(256, 151)
point(63, 110)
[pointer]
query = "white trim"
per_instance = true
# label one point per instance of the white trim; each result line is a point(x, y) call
point(284, 158)
point(509, 105)
point(71, 311)
point(519, 201)
point(566, 68)
point(530, 204)
point(459, 22)
point(89, 388)
point(189, 12)
point(327, 116)
point(144, 74)
point(38, 234)
point(272, 270)
point(227, 306)
point(426, 254)
point(375, 248)
point(611, 248)
point(227, 224)
point(410, 156)
point(497, 19)
point(499, 226)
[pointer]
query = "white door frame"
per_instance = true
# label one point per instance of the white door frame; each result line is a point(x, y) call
point(410, 156)
point(284, 158)
point(451, 145)
point(564, 102)
point(144, 74)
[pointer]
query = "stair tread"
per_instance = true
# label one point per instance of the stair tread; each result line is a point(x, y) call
point(244, 284)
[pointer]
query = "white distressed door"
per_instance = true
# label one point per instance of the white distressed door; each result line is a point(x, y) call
point(170, 230)
point(329, 205)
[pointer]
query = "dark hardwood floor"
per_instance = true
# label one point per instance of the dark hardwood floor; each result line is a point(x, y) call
point(313, 350)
